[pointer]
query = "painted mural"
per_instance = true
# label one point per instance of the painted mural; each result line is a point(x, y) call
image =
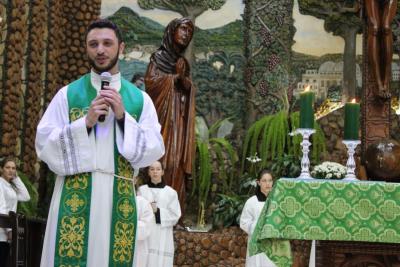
point(325, 52)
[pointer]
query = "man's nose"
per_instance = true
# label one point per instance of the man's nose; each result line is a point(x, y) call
point(100, 49)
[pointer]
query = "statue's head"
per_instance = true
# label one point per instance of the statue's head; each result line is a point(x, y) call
point(183, 33)
point(178, 34)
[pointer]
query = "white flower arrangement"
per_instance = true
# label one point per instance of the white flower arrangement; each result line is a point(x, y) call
point(253, 159)
point(329, 170)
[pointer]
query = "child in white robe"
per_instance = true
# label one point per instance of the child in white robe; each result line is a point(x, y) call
point(145, 225)
point(167, 211)
point(251, 213)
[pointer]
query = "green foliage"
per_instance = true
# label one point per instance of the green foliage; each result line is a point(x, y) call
point(286, 166)
point(338, 15)
point(135, 29)
point(228, 210)
point(269, 137)
point(210, 149)
point(220, 93)
point(28, 208)
point(183, 7)
point(226, 38)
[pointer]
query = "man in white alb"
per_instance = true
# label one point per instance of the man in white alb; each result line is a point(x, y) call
point(92, 218)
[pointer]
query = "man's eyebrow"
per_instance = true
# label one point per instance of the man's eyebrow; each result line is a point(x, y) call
point(101, 39)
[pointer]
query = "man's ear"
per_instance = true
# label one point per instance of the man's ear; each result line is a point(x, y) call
point(121, 48)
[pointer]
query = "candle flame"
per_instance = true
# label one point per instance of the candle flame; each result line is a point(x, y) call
point(353, 101)
point(307, 88)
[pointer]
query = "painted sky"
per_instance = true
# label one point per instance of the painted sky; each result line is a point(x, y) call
point(312, 39)
point(310, 36)
point(230, 11)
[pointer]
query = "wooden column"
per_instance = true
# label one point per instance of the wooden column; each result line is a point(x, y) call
point(375, 123)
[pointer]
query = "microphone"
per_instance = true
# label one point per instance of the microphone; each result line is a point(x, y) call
point(105, 78)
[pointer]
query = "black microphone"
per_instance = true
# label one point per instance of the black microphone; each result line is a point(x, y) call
point(105, 78)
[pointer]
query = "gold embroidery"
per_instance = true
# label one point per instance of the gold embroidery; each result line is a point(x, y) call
point(71, 237)
point(125, 187)
point(124, 239)
point(124, 169)
point(79, 181)
point(75, 202)
point(77, 113)
point(126, 208)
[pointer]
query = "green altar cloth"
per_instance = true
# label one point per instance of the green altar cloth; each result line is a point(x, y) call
point(326, 210)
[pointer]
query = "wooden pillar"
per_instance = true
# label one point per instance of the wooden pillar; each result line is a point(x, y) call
point(375, 122)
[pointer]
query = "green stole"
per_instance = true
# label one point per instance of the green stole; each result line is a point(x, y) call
point(74, 208)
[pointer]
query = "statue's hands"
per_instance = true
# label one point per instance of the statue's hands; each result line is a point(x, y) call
point(181, 67)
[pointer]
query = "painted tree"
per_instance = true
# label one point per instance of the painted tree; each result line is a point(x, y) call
point(341, 18)
point(268, 38)
point(187, 8)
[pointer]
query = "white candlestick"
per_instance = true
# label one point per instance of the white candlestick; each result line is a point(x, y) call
point(351, 164)
point(305, 162)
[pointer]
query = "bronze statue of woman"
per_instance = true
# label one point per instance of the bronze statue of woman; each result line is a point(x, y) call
point(169, 84)
point(380, 14)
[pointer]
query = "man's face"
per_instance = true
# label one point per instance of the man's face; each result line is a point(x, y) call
point(183, 35)
point(103, 49)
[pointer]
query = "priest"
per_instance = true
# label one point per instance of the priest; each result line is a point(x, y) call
point(92, 218)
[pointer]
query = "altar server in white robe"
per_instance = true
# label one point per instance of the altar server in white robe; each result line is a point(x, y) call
point(146, 223)
point(167, 211)
point(250, 214)
point(92, 211)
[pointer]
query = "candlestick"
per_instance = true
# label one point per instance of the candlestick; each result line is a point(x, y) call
point(306, 109)
point(351, 120)
point(305, 162)
point(351, 164)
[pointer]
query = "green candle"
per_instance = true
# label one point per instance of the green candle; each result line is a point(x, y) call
point(306, 110)
point(351, 120)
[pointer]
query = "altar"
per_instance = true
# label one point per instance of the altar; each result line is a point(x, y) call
point(327, 210)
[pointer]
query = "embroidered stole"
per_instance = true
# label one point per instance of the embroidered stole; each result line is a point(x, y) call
point(74, 209)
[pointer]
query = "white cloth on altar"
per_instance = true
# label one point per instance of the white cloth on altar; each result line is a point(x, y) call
point(248, 221)
point(146, 222)
point(9, 198)
point(161, 240)
point(68, 149)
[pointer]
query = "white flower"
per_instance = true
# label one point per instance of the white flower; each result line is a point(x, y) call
point(253, 159)
point(329, 170)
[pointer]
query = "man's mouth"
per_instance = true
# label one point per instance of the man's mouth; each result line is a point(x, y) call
point(101, 60)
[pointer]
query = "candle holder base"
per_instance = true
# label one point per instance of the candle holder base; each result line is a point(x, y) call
point(351, 164)
point(305, 161)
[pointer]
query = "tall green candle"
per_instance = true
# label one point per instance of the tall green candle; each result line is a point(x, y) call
point(306, 109)
point(351, 120)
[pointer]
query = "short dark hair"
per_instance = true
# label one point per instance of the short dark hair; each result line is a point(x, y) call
point(137, 76)
point(4, 161)
point(104, 23)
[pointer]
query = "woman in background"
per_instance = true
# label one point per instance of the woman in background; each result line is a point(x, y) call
point(251, 211)
point(165, 205)
point(12, 190)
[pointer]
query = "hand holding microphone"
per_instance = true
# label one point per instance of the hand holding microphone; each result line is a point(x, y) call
point(105, 81)
point(108, 97)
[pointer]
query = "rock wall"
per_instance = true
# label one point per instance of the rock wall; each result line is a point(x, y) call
point(222, 248)
point(42, 48)
point(333, 127)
